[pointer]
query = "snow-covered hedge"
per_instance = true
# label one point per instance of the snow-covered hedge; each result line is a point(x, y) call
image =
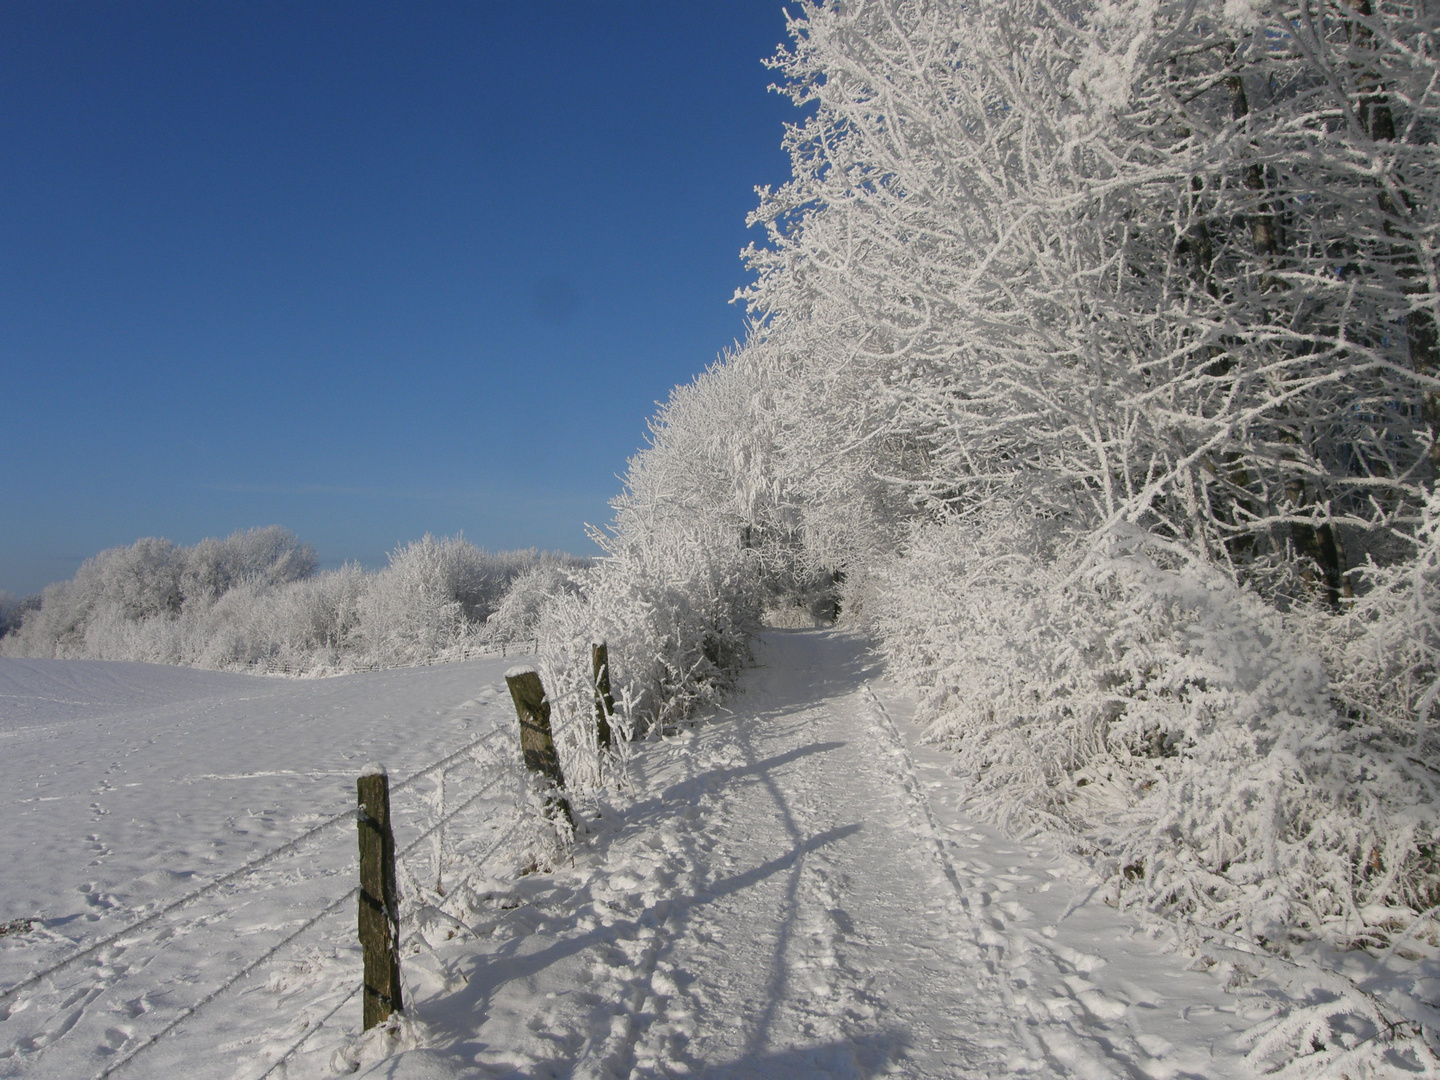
point(254, 601)
point(685, 573)
point(1141, 704)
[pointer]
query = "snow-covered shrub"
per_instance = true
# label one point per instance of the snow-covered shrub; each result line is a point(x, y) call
point(1140, 703)
point(321, 615)
point(696, 536)
point(517, 617)
point(156, 602)
point(676, 613)
point(253, 601)
point(13, 611)
point(814, 600)
point(1384, 652)
point(437, 594)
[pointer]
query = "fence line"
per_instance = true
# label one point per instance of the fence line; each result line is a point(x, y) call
point(254, 864)
point(334, 906)
point(191, 1010)
point(443, 765)
point(313, 1028)
point(493, 769)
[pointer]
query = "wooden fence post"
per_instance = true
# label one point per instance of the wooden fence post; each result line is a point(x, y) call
point(604, 701)
point(379, 898)
point(536, 743)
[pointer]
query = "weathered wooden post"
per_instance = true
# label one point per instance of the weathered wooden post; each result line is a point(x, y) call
point(536, 743)
point(604, 700)
point(379, 898)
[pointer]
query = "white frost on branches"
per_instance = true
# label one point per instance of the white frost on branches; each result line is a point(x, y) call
point(1094, 358)
point(254, 601)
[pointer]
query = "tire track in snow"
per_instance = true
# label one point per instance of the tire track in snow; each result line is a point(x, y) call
point(1042, 1042)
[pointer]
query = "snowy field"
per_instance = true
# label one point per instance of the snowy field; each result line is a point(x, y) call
point(127, 787)
point(786, 890)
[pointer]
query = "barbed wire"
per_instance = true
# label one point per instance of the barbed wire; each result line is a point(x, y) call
point(309, 1031)
point(246, 970)
point(290, 846)
point(190, 1010)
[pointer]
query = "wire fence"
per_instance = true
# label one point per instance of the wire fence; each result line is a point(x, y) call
point(450, 842)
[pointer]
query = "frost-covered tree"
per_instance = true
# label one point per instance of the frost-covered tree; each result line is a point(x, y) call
point(13, 610)
point(1095, 345)
point(265, 557)
point(254, 601)
point(1024, 256)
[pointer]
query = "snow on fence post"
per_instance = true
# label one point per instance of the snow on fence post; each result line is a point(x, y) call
point(379, 898)
point(536, 743)
point(604, 700)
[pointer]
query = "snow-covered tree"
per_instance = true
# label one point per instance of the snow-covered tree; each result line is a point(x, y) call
point(1169, 264)
point(1095, 345)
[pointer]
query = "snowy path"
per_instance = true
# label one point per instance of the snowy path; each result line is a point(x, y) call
point(784, 897)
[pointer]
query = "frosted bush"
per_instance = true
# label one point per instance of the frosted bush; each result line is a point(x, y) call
point(1141, 704)
point(517, 617)
point(321, 615)
point(698, 538)
point(305, 627)
point(1385, 649)
point(676, 610)
point(436, 595)
point(253, 601)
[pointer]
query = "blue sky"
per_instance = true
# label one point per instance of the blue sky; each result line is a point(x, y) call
point(362, 269)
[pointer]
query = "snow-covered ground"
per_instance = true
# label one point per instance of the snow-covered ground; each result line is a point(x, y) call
point(780, 897)
point(787, 889)
point(127, 787)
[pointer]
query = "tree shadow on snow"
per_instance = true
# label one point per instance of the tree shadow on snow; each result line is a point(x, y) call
point(851, 1059)
point(692, 787)
point(488, 973)
point(492, 971)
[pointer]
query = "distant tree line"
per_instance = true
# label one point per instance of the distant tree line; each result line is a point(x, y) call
point(256, 600)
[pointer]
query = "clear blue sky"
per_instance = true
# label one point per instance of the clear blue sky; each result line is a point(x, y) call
point(362, 269)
